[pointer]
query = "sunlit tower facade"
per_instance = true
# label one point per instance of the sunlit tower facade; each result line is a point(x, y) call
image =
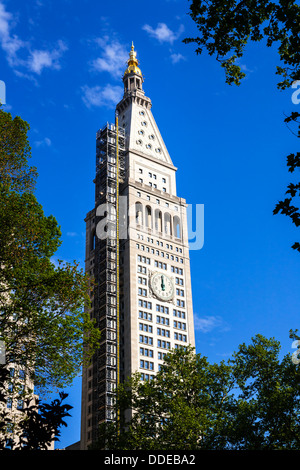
point(137, 250)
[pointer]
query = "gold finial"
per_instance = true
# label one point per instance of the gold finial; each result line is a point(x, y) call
point(133, 63)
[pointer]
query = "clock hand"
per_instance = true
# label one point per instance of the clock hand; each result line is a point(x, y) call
point(162, 283)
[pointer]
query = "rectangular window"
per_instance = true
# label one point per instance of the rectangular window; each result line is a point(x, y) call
point(143, 259)
point(145, 327)
point(146, 352)
point(142, 269)
point(162, 320)
point(163, 344)
point(142, 292)
point(145, 315)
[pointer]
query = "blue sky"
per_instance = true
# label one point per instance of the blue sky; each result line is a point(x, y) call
point(62, 63)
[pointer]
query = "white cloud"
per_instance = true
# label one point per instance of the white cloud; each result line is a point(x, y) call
point(175, 58)
point(113, 57)
point(46, 142)
point(11, 44)
point(245, 68)
point(163, 33)
point(208, 323)
point(33, 60)
point(107, 96)
point(5, 17)
point(40, 59)
point(7, 107)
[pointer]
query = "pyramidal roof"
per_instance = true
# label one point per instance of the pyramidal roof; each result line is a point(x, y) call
point(135, 115)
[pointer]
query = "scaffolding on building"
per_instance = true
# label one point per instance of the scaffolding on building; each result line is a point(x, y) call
point(110, 173)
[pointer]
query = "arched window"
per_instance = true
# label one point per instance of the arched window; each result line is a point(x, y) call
point(138, 213)
point(148, 217)
point(93, 240)
point(168, 225)
point(158, 220)
point(176, 227)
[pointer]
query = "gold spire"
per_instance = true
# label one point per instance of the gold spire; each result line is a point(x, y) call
point(133, 63)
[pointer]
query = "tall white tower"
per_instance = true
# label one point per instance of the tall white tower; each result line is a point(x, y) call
point(137, 249)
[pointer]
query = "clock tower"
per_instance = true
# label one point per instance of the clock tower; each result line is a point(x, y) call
point(140, 260)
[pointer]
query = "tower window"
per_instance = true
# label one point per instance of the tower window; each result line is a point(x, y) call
point(148, 217)
point(139, 213)
point(93, 240)
point(176, 229)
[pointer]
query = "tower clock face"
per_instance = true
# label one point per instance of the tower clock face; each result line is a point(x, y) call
point(162, 286)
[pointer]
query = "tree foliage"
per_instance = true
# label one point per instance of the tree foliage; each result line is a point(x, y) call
point(15, 151)
point(288, 205)
point(252, 401)
point(225, 28)
point(42, 422)
point(43, 320)
point(36, 426)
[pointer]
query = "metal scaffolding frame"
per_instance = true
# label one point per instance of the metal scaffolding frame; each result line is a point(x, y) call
point(110, 173)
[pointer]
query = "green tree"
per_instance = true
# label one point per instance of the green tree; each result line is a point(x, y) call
point(226, 26)
point(287, 206)
point(15, 151)
point(43, 321)
point(38, 424)
point(176, 410)
point(265, 415)
point(42, 422)
point(250, 402)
